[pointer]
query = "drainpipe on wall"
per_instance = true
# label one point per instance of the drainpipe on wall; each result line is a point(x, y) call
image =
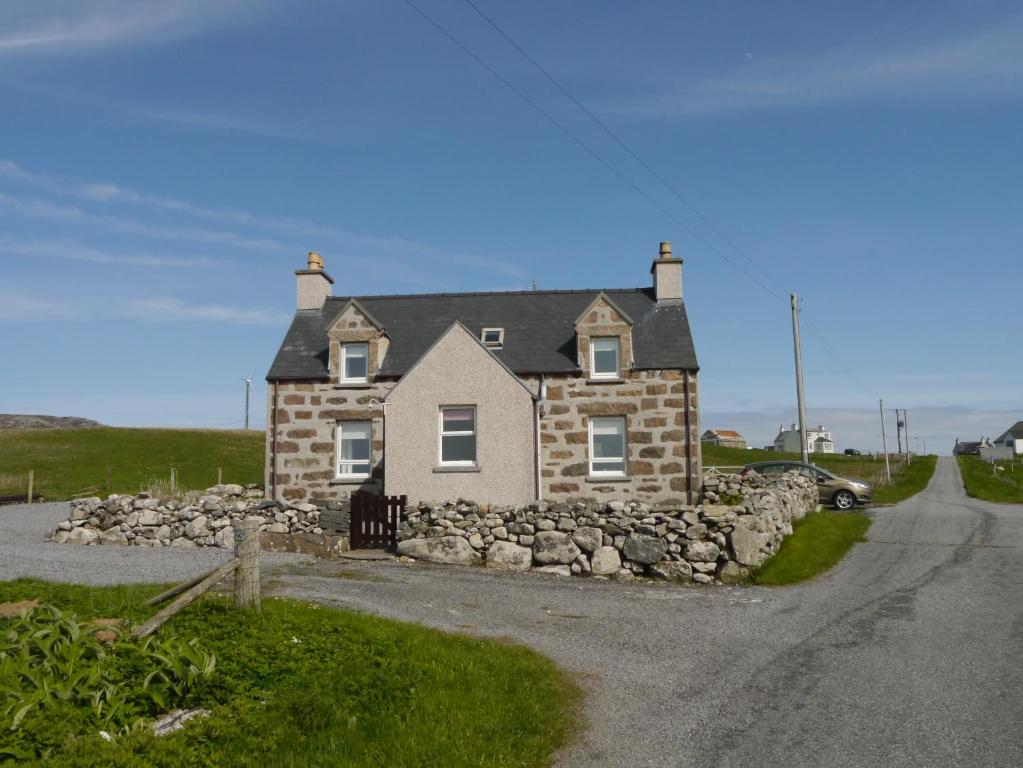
point(273, 445)
point(537, 406)
point(689, 446)
point(383, 441)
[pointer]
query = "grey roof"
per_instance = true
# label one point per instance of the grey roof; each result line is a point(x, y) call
point(1015, 431)
point(539, 329)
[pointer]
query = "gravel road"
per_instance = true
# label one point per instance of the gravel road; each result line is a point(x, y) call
point(25, 552)
point(906, 654)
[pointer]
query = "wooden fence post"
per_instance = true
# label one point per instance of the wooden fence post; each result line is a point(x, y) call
point(174, 480)
point(220, 475)
point(31, 482)
point(246, 549)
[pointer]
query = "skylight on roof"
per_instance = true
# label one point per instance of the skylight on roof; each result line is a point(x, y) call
point(492, 337)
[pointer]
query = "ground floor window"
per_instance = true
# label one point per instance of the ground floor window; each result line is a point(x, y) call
point(607, 446)
point(458, 435)
point(354, 443)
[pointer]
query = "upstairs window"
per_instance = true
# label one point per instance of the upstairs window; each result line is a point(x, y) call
point(492, 337)
point(354, 363)
point(607, 446)
point(354, 443)
point(604, 358)
point(458, 435)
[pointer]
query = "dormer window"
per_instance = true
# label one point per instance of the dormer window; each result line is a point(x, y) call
point(604, 354)
point(492, 337)
point(354, 363)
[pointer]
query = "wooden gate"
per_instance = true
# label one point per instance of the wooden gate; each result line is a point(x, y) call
point(374, 520)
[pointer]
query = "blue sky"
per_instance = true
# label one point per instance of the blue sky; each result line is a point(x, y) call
point(165, 166)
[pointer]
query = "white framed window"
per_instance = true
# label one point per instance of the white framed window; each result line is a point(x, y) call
point(458, 435)
point(604, 363)
point(354, 448)
point(607, 446)
point(355, 363)
point(492, 337)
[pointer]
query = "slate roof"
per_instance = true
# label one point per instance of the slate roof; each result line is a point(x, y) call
point(539, 329)
point(1015, 431)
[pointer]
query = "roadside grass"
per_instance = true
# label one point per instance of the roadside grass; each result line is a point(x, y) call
point(983, 481)
point(818, 542)
point(74, 462)
point(303, 685)
point(907, 480)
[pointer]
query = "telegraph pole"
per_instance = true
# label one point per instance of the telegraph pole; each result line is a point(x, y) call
point(799, 378)
point(905, 426)
point(898, 429)
point(884, 444)
point(248, 391)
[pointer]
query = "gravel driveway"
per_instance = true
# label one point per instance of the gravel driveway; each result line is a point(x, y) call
point(907, 654)
point(24, 552)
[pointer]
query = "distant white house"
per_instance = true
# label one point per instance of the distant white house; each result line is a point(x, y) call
point(817, 440)
point(1012, 439)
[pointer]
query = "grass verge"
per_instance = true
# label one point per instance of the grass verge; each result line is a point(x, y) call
point(818, 542)
point(1003, 485)
point(303, 685)
point(74, 462)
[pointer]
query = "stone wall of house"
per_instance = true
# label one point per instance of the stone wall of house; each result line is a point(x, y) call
point(654, 403)
point(305, 420)
point(195, 519)
point(742, 522)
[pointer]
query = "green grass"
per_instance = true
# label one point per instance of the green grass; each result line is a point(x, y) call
point(302, 685)
point(818, 542)
point(907, 480)
point(982, 481)
point(72, 462)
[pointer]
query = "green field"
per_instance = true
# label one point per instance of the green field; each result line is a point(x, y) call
point(295, 685)
point(818, 542)
point(907, 480)
point(76, 462)
point(983, 481)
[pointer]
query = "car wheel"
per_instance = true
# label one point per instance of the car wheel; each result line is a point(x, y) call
point(844, 500)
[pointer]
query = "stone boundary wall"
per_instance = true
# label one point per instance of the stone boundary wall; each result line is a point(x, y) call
point(194, 520)
point(741, 524)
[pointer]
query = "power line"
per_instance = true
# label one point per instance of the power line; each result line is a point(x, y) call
point(589, 150)
point(618, 140)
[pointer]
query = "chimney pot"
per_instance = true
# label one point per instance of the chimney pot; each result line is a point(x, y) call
point(315, 262)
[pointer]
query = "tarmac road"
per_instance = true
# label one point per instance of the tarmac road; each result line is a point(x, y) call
point(909, 653)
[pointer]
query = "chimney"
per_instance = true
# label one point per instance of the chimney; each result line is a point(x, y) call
point(313, 284)
point(667, 272)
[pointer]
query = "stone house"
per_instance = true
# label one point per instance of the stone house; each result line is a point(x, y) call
point(502, 398)
point(728, 438)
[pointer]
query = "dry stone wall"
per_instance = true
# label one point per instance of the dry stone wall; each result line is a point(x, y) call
point(742, 523)
point(194, 520)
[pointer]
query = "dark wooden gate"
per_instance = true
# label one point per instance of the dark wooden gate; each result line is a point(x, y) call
point(374, 520)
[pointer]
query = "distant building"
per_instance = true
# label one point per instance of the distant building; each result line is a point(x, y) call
point(1012, 438)
point(724, 437)
point(962, 448)
point(817, 440)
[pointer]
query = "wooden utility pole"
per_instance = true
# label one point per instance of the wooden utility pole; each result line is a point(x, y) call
point(905, 426)
point(898, 430)
point(799, 379)
point(884, 444)
point(246, 550)
point(31, 483)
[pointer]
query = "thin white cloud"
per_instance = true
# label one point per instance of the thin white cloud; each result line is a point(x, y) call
point(70, 26)
point(258, 126)
point(912, 65)
point(75, 251)
point(294, 228)
point(17, 308)
point(175, 310)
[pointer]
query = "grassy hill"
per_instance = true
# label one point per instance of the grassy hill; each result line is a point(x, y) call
point(70, 463)
point(906, 480)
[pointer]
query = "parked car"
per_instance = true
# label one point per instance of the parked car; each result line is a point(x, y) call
point(852, 452)
point(841, 492)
